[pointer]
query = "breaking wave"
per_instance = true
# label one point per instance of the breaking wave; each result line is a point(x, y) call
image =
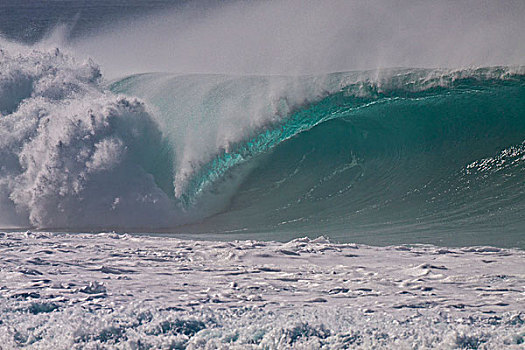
point(346, 154)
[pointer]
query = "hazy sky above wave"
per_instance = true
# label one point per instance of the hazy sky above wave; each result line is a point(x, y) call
point(294, 36)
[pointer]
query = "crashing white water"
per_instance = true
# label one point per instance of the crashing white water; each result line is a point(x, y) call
point(80, 291)
point(71, 150)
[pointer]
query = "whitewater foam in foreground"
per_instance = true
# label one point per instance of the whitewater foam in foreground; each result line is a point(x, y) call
point(98, 291)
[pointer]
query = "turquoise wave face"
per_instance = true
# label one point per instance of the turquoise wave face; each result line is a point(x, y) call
point(407, 155)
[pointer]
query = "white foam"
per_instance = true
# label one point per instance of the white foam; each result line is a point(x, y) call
point(62, 291)
point(72, 151)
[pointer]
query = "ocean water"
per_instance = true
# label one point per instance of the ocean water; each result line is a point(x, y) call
point(201, 133)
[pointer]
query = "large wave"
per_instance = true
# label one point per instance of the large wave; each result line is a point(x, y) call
point(434, 154)
point(389, 151)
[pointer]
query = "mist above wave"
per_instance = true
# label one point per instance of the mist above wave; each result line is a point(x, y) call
point(309, 37)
